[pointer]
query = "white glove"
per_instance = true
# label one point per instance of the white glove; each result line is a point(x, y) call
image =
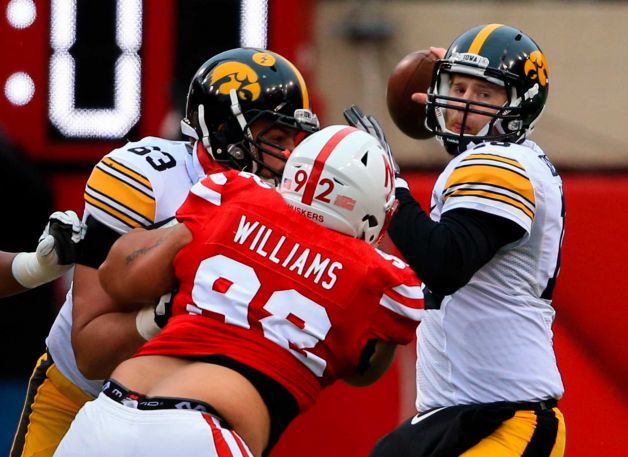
point(145, 322)
point(55, 253)
point(150, 319)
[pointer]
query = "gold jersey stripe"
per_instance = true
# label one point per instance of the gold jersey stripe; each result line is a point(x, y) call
point(481, 37)
point(492, 175)
point(111, 211)
point(94, 193)
point(127, 171)
point(497, 158)
point(492, 196)
point(122, 193)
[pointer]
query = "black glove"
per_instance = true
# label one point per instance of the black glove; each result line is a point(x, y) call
point(356, 118)
point(63, 231)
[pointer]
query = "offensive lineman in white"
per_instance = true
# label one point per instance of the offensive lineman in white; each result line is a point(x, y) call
point(487, 378)
point(242, 111)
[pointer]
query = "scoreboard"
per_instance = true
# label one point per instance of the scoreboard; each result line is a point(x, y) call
point(80, 77)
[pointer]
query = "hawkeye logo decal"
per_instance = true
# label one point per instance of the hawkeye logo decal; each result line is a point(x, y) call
point(536, 68)
point(238, 76)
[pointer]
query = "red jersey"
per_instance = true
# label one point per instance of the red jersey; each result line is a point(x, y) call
point(273, 290)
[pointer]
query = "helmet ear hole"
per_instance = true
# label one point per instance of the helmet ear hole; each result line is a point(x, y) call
point(372, 220)
point(372, 223)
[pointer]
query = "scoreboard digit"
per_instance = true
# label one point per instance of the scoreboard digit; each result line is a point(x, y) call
point(79, 77)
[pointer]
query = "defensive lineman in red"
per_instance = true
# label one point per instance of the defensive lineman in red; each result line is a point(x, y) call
point(271, 307)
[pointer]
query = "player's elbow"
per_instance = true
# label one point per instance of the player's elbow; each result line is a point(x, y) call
point(113, 282)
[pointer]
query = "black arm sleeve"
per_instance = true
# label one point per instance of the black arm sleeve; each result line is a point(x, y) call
point(446, 254)
point(95, 246)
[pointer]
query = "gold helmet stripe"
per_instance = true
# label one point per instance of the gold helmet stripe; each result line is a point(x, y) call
point(304, 95)
point(481, 37)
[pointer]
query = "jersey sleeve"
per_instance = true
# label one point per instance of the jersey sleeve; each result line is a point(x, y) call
point(494, 184)
point(119, 195)
point(205, 196)
point(400, 305)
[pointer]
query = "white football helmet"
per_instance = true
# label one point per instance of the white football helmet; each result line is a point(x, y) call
point(341, 178)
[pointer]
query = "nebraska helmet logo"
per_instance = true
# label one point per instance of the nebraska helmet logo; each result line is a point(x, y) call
point(536, 68)
point(238, 76)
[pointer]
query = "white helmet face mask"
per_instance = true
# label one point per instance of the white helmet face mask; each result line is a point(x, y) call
point(341, 178)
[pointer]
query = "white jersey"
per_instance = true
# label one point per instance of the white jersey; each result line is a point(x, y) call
point(139, 184)
point(491, 340)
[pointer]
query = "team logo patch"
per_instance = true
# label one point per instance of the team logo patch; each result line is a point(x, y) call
point(264, 59)
point(536, 68)
point(238, 76)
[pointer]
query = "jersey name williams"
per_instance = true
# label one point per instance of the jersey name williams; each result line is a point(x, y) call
point(286, 253)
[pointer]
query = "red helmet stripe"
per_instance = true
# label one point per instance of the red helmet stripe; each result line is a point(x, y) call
point(319, 163)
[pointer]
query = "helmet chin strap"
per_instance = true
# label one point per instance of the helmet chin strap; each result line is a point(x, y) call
point(188, 130)
point(203, 125)
point(236, 110)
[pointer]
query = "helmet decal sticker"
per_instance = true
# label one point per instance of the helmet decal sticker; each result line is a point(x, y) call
point(476, 59)
point(389, 179)
point(238, 76)
point(345, 202)
point(536, 68)
point(264, 59)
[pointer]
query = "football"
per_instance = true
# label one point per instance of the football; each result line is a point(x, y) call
point(412, 74)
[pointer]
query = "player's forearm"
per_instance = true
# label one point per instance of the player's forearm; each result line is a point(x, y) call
point(8, 284)
point(138, 268)
point(105, 342)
